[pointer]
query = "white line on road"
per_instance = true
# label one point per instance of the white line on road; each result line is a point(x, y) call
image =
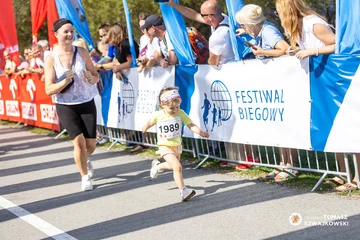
point(35, 221)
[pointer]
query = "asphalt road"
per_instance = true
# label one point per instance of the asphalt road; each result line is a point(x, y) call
point(40, 198)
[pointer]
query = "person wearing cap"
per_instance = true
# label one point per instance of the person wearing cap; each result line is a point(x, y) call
point(71, 76)
point(220, 45)
point(148, 45)
point(269, 41)
point(154, 25)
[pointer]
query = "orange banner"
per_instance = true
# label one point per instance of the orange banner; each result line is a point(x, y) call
point(9, 99)
point(24, 100)
point(8, 36)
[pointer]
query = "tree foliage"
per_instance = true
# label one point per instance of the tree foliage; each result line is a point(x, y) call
point(112, 11)
point(23, 24)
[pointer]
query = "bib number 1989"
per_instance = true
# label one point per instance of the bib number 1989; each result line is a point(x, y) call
point(169, 128)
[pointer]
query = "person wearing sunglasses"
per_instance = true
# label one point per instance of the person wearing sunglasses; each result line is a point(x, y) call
point(165, 54)
point(219, 42)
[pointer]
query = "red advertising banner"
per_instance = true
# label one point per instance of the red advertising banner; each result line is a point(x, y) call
point(8, 36)
point(52, 17)
point(9, 99)
point(37, 108)
point(32, 106)
point(38, 15)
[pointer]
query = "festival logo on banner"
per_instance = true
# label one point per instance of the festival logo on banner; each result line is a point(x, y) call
point(219, 106)
point(2, 110)
point(29, 108)
point(12, 106)
point(253, 107)
point(125, 101)
point(132, 102)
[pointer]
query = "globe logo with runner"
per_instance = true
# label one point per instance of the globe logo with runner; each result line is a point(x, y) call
point(127, 94)
point(220, 95)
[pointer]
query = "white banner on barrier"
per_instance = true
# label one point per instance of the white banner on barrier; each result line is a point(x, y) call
point(254, 103)
point(132, 103)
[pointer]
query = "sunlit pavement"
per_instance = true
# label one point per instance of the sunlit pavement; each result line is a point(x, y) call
point(40, 198)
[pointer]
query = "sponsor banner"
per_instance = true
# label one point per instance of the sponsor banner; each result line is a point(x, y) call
point(9, 96)
point(12, 108)
point(48, 114)
point(8, 36)
point(239, 103)
point(133, 102)
point(2, 108)
point(37, 108)
point(28, 111)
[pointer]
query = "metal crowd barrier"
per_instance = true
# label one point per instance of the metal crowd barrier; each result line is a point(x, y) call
point(273, 157)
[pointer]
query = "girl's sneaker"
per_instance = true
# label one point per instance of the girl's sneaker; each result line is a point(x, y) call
point(187, 193)
point(86, 184)
point(154, 171)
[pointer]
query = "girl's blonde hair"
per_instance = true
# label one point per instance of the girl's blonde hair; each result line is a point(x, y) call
point(171, 101)
point(291, 13)
point(117, 34)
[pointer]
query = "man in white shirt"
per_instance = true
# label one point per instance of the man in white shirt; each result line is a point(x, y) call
point(37, 62)
point(219, 42)
point(155, 27)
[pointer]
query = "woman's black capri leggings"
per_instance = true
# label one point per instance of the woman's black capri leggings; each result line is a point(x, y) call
point(78, 119)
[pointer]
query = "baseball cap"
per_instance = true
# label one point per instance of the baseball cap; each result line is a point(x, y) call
point(152, 20)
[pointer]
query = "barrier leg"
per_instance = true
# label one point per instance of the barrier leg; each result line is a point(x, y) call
point(17, 125)
point(51, 132)
point(347, 167)
point(97, 141)
point(61, 133)
point(115, 142)
point(193, 147)
point(202, 162)
point(356, 167)
point(319, 182)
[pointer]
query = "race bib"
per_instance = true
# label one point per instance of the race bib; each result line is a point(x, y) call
point(169, 128)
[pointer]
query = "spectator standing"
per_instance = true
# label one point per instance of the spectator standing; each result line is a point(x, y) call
point(148, 45)
point(220, 45)
point(45, 46)
point(37, 62)
point(10, 65)
point(118, 37)
point(165, 56)
point(269, 40)
point(306, 28)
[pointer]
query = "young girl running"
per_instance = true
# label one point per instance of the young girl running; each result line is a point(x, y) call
point(169, 122)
